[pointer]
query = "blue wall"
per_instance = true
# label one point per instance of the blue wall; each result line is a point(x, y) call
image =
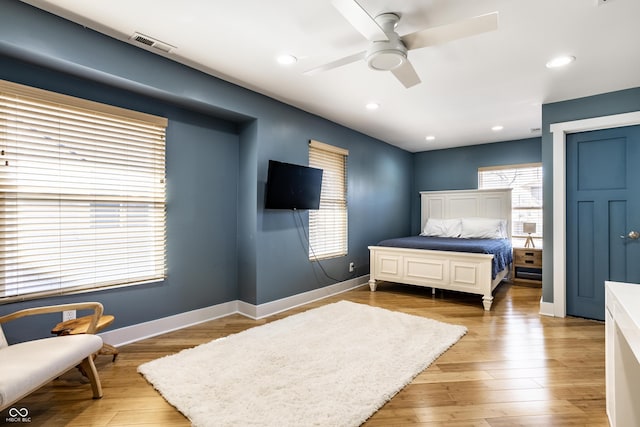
point(379, 184)
point(221, 244)
point(457, 168)
point(624, 101)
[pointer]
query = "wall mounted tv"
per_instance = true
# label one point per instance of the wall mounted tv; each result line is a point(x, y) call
point(292, 186)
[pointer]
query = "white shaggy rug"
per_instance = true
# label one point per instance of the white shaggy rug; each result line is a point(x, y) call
point(331, 366)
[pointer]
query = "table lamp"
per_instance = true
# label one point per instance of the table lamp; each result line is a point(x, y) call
point(529, 227)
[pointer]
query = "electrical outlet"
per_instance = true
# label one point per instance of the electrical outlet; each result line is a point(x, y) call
point(68, 315)
point(352, 266)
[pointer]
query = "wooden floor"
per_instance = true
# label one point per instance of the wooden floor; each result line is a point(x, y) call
point(513, 368)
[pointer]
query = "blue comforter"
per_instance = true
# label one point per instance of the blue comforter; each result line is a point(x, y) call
point(500, 248)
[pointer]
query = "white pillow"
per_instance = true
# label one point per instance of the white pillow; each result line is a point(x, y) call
point(483, 228)
point(442, 227)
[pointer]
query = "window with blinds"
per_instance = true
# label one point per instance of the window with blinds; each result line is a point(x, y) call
point(328, 225)
point(82, 203)
point(526, 182)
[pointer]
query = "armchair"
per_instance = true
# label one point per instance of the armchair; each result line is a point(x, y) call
point(27, 366)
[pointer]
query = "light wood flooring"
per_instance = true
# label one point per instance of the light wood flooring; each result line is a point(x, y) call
point(513, 368)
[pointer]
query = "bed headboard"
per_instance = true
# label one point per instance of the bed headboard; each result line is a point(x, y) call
point(494, 203)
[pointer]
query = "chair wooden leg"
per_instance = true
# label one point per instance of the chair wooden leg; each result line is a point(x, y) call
point(92, 373)
point(109, 349)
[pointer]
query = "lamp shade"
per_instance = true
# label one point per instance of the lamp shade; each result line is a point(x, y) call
point(529, 227)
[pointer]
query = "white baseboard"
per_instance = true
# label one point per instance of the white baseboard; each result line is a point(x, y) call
point(140, 331)
point(547, 308)
point(278, 306)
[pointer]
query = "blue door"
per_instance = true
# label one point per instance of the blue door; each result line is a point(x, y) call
point(603, 215)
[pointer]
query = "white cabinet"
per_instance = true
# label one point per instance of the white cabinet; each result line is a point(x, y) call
point(622, 348)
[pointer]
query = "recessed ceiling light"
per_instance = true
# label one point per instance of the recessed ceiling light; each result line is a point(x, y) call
point(286, 59)
point(372, 106)
point(497, 128)
point(430, 138)
point(560, 61)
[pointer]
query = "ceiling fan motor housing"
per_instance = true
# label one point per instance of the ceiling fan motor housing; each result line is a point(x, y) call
point(385, 55)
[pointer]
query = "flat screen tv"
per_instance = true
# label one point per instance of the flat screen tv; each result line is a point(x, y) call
point(292, 186)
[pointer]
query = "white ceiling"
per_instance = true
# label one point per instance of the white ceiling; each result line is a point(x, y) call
point(468, 85)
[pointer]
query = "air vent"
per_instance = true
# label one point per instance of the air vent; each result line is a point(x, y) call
point(151, 42)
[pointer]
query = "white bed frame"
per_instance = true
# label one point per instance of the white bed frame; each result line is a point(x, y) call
point(456, 271)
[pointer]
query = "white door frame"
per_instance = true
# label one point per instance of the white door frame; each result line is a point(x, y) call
point(560, 131)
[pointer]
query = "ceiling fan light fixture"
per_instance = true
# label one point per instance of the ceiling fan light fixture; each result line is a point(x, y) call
point(386, 60)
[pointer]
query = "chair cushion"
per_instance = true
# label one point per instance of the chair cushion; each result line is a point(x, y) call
point(27, 366)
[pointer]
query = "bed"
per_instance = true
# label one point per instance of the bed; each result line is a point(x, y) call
point(451, 265)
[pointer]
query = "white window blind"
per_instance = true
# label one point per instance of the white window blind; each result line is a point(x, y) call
point(328, 225)
point(526, 182)
point(82, 194)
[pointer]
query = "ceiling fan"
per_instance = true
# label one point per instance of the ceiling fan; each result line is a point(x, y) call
point(388, 51)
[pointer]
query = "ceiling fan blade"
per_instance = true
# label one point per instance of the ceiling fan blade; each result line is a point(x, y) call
point(446, 33)
point(360, 19)
point(337, 63)
point(406, 74)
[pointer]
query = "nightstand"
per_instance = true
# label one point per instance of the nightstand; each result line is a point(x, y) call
point(527, 267)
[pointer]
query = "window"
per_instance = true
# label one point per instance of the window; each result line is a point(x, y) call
point(328, 225)
point(526, 182)
point(82, 194)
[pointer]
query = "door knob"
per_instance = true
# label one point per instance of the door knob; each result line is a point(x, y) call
point(633, 235)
